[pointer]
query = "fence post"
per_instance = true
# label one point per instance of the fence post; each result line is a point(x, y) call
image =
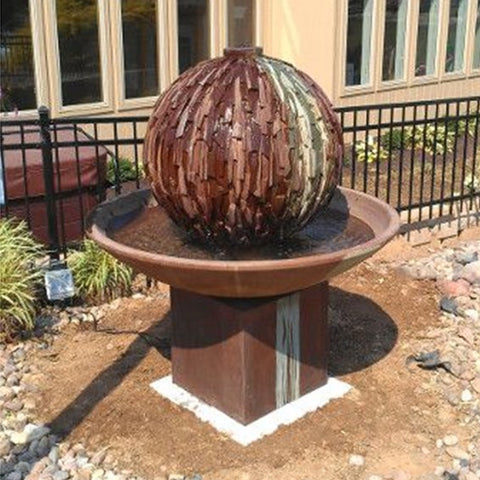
point(48, 178)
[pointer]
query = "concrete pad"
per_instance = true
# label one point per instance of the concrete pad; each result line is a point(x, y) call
point(266, 425)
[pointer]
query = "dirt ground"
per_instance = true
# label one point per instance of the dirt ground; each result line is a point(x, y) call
point(96, 390)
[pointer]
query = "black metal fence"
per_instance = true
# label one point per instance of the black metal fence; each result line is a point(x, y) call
point(421, 157)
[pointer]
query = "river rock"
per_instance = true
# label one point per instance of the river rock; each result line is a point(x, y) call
point(454, 288)
point(458, 453)
point(450, 440)
point(471, 272)
point(356, 460)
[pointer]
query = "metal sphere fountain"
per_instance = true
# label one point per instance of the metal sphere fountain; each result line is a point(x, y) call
point(243, 155)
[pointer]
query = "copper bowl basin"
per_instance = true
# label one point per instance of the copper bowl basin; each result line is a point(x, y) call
point(253, 277)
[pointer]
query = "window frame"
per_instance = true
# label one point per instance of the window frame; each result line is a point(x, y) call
point(399, 82)
point(470, 48)
point(347, 90)
point(46, 58)
point(410, 80)
point(465, 73)
point(53, 61)
point(257, 23)
point(122, 103)
point(36, 18)
point(440, 52)
point(216, 15)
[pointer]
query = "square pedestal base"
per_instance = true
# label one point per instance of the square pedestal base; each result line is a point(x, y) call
point(249, 357)
point(246, 434)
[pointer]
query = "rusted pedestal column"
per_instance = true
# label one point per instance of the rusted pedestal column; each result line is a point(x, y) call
point(248, 357)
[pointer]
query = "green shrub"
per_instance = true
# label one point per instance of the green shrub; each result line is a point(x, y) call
point(19, 277)
point(436, 139)
point(126, 170)
point(471, 182)
point(467, 126)
point(98, 276)
point(393, 139)
point(369, 151)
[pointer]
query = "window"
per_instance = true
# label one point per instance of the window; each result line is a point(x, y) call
point(94, 56)
point(17, 79)
point(241, 22)
point(457, 28)
point(79, 49)
point(394, 39)
point(139, 33)
point(427, 38)
point(476, 47)
point(193, 33)
point(359, 40)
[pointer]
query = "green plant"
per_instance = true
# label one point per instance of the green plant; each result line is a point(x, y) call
point(126, 170)
point(472, 183)
point(369, 150)
point(436, 139)
point(464, 126)
point(19, 277)
point(393, 139)
point(98, 276)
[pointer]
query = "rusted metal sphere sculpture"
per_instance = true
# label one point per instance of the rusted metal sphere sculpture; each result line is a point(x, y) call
point(243, 149)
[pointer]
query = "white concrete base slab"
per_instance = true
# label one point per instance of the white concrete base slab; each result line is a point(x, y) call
point(246, 434)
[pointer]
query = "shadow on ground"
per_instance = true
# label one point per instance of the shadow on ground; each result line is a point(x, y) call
point(361, 332)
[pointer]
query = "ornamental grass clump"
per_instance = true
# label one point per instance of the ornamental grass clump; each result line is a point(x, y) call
point(98, 276)
point(19, 278)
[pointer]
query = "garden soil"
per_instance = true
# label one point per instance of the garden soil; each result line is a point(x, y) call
point(96, 390)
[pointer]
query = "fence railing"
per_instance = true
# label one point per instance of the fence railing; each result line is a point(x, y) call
point(421, 157)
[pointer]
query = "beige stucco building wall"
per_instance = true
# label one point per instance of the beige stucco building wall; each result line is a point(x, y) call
point(312, 34)
point(303, 32)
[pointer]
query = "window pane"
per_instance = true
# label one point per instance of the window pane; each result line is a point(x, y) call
point(193, 33)
point(427, 35)
point(139, 28)
point(359, 39)
point(241, 23)
point(394, 40)
point(457, 28)
point(77, 23)
point(476, 50)
point(16, 57)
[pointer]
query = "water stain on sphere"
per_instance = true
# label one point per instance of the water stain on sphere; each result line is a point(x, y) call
point(243, 149)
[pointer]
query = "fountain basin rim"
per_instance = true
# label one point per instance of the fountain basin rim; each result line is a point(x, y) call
point(330, 264)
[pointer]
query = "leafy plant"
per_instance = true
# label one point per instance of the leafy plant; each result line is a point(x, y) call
point(126, 170)
point(393, 139)
point(19, 277)
point(98, 276)
point(369, 150)
point(472, 183)
point(435, 139)
point(469, 126)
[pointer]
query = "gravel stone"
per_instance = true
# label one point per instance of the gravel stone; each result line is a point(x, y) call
point(450, 440)
point(5, 446)
point(356, 460)
point(61, 475)
point(14, 476)
point(22, 467)
point(458, 453)
point(471, 272)
point(466, 396)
